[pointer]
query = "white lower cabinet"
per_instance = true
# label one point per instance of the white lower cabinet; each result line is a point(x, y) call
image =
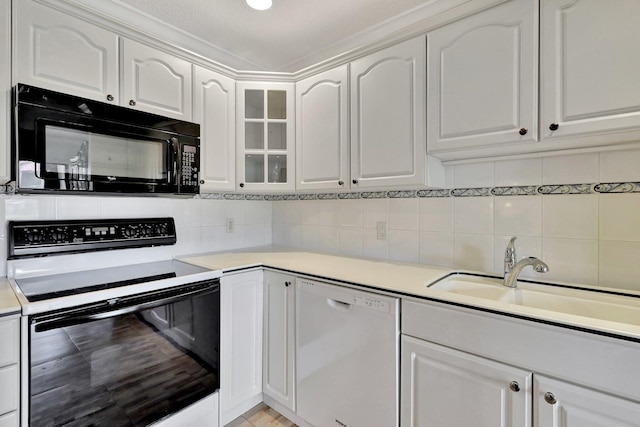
point(240, 343)
point(278, 377)
point(9, 371)
point(561, 404)
point(449, 388)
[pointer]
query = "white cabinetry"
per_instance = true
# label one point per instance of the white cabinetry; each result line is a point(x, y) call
point(279, 333)
point(155, 81)
point(9, 371)
point(266, 144)
point(5, 91)
point(561, 404)
point(214, 109)
point(322, 130)
point(589, 67)
point(388, 144)
point(448, 388)
point(482, 79)
point(56, 51)
point(241, 308)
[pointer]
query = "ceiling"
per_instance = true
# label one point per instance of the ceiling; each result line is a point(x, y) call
point(287, 37)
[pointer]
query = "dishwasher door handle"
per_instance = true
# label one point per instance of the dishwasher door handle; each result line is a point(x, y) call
point(338, 305)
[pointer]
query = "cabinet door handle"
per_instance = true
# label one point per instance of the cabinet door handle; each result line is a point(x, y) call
point(355, 181)
point(341, 182)
point(242, 185)
point(553, 126)
point(514, 386)
point(523, 131)
point(550, 398)
point(132, 102)
point(110, 97)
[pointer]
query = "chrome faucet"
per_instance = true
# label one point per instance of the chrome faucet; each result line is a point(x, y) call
point(512, 268)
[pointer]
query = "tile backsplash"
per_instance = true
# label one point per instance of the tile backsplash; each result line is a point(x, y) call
point(583, 234)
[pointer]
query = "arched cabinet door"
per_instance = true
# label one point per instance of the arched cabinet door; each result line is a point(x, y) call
point(155, 81)
point(482, 80)
point(57, 51)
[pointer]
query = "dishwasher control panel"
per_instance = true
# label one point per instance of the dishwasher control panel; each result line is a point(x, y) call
point(371, 302)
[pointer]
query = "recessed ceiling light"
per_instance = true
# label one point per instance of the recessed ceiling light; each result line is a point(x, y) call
point(259, 4)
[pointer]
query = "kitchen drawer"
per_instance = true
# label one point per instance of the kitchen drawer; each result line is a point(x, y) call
point(9, 339)
point(9, 389)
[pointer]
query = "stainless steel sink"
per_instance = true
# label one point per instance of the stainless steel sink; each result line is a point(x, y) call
point(561, 299)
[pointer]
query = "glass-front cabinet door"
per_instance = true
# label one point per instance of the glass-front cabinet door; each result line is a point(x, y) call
point(266, 143)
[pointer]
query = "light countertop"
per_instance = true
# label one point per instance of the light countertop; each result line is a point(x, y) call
point(9, 304)
point(405, 279)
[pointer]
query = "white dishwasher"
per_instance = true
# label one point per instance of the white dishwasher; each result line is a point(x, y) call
point(346, 356)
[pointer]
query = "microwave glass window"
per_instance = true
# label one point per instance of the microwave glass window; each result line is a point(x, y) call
point(80, 155)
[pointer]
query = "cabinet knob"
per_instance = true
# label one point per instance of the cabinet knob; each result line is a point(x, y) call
point(201, 181)
point(554, 126)
point(514, 386)
point(132, 102)
point(550, 398)
point(110, 97)
point(341, 182)
point(355, 181)
point(242, 185)
point(523, 131)
point(287, 284)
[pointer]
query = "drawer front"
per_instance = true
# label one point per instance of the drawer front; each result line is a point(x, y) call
point(9, 389)
point(9, 333)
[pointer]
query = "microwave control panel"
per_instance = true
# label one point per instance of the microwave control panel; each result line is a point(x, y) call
point(189, 166)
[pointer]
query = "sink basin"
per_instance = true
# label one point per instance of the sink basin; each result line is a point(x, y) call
point(559, 298)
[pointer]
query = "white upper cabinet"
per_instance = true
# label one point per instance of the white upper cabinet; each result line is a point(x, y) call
point(322, 130)
point(589, 67)
point(388, 144)
point(155, 81)
point(214, 109)
point(5, 90)
point(482, 81)
point(65, 54)
point(265, 136)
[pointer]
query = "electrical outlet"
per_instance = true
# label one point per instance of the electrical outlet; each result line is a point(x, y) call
point(381, 230)
point(231, 225)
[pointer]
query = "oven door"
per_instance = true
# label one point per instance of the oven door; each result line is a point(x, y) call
point(125, 362)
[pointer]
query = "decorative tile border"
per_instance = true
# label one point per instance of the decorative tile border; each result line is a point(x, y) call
point(522, 190)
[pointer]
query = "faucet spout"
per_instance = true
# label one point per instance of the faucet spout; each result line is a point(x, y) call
point(510, 256)
point(511, 278)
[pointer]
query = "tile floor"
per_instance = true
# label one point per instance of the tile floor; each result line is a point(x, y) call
point(261, 416)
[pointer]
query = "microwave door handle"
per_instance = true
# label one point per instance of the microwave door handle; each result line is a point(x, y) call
point(174, 149)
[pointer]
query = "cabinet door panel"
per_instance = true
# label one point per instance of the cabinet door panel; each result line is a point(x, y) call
point(387, 116)
point(482, 79)
point(589, 75)
point(580, 407)
point(155, 81)
point(214, 100)
point(448, 388)
point(278, 373)
point(9, 388)
point(322, 130)
point(62, 53)
point(5, 91)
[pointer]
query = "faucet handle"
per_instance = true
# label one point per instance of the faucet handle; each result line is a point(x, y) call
point(510, 255)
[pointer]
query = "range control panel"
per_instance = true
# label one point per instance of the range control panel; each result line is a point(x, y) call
point(41, 238)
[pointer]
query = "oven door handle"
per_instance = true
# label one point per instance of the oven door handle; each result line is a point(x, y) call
point(112, 308)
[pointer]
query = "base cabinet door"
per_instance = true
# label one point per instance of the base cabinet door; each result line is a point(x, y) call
point(560, 404)
point(240, 344)
point(589, 81)
point(278, 369)
point(448, 388)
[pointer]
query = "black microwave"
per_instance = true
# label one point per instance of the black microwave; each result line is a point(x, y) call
point(68, 144)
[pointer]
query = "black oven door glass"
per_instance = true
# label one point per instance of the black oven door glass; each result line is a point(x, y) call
point(128, 365)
